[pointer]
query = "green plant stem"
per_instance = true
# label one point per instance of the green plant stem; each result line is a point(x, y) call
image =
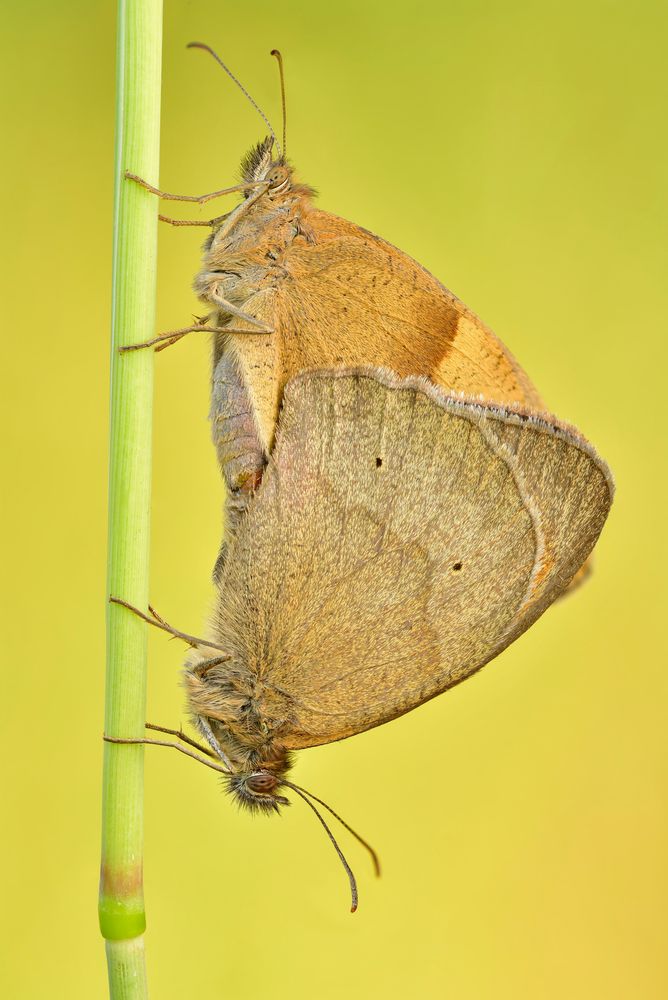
point(127, 969)
point(121, 903)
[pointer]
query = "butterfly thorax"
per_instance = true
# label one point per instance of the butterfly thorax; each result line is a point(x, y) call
point(245, 252)
point(227, 705)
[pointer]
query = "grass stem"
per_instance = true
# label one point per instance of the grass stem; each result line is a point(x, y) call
point(121, 902)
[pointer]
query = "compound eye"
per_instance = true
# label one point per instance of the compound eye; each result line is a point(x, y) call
point(262, 783)
point(277, 175)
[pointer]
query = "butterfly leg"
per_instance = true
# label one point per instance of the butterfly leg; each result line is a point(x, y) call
point(173, 336)
point(229, 307)
point(174, 746)
point(181, 736)
point(200, 199)
point(155, 620)
point(191, 222)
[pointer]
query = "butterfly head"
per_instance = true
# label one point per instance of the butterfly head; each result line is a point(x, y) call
point(259, 164)
point(258, 791)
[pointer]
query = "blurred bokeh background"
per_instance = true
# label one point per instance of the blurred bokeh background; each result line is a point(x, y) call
point(518, 150)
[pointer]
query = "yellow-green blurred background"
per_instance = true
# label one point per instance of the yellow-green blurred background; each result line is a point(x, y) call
point(518, 150)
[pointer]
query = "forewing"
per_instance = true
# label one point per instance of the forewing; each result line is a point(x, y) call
point(400, 539)
point(354, 299)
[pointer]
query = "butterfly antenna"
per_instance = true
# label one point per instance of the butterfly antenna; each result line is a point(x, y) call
point(349, 871)
point(207, 48)
point(278, 56)
point(356, 835)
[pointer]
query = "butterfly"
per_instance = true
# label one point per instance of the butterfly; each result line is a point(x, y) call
point(401, 537)
point(401, 507)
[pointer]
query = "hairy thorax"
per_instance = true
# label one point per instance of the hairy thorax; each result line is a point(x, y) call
point(245, 257)
point(245, 716)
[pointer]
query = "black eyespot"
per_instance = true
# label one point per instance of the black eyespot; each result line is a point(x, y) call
point(457, 566)
point(379, 462)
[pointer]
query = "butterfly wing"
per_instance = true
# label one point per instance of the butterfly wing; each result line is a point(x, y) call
point(363, 301)
point(339, 296)
point(399, 540)
point(343, 297)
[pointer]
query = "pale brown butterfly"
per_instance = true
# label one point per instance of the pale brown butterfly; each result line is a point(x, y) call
point(401, 538)
point(293, 288)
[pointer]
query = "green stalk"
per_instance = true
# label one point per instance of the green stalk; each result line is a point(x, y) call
point(121, 903)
